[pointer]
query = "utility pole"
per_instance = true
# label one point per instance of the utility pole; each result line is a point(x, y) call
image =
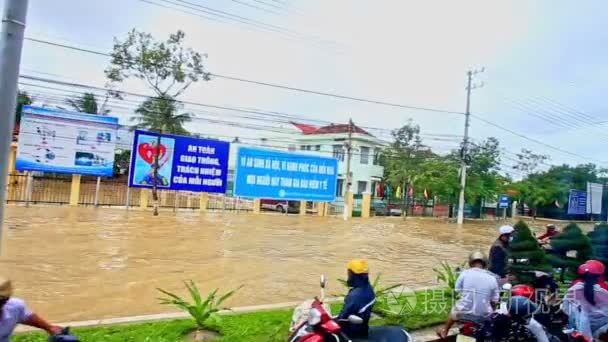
point(349, 156)
point(465, 144)
point(11, 44)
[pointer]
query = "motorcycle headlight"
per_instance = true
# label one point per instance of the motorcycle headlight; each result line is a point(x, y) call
point(314, 317)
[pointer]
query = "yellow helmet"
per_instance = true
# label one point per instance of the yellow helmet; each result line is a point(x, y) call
point(358, 266)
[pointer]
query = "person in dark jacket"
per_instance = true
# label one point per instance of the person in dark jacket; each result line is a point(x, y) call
point(498, 253)
point(359, 300)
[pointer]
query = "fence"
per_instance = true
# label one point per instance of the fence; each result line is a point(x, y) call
point(56, 189)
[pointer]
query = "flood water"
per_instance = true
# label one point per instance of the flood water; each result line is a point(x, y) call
point(85, 263)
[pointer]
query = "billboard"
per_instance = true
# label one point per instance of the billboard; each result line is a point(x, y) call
point(595, 193)
point(185, 163)
point(577, 202)
point(262, 173)
point(54, 140)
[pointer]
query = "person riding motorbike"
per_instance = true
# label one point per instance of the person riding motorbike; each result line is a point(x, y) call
point(595, 264)
point(586, 302)
point(537, 329)
point(13, 311)
point(359, 301)
point(513, 326)
point(549, 233)
point(479, 294)
point(498, 253)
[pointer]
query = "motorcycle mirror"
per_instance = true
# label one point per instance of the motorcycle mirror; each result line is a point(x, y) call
point(323, 281)
point(353, 319)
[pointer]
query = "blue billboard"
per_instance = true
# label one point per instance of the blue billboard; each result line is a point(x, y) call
point(503, 202)
point(185, 163)
point(577, 202)
point(56, 140)
point(262, 173)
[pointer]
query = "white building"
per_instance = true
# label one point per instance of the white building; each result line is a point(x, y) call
point(331, 140)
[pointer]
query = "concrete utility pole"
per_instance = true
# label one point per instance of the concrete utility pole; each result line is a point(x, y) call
point(349, 156)
point(11, 44)
point(465, 145)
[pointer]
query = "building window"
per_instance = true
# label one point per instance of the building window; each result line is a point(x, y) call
point(364, 155)
point(361, 187)
point(377, 152)
point(308, 147)
point(291, 148)
point(317, 147)
point(340, 187)
point(302, 147)
point(338, 152)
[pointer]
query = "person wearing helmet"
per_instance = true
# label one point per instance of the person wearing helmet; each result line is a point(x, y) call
point(594, 266)
point(549, 233)
point(478, 291)
point(359, 300)
point(535, 327)
point(498, 253)
point(513, 326)
point(586, 302)
point(13, 311)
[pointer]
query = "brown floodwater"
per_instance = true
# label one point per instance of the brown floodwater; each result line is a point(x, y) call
point(86, 263)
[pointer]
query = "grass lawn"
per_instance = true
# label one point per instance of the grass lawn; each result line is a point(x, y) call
point(265, 326)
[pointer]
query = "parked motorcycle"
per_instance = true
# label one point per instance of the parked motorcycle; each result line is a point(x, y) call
point(317, 325)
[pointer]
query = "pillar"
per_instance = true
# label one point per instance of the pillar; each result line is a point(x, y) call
point(321, 208)
point(366, 205)
point(204, 201)
point(75, 190)
point(302, 207)
point(12, 157)
point(257, 206)
point(144, 197)
point(349, 201)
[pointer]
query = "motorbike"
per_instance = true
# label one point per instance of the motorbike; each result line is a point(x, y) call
point(317, 325)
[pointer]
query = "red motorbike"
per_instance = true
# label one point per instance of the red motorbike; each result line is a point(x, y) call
point(320, 326)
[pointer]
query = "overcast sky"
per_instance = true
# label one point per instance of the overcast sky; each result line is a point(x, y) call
point(545, 75)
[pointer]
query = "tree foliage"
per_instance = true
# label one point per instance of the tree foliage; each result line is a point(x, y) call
point(160, 115)
point(599, 242)
point(528, 162)
point(167, 67)
point(571, 248)
point(23, 99)
point(525, 255)
point(87, 103)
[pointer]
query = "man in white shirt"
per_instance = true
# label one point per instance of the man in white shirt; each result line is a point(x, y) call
point(13, 311)
point(479, 294)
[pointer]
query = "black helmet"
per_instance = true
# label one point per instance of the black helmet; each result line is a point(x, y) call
point(521, 307)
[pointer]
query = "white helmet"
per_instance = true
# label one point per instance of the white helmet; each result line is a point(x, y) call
point(506, 229)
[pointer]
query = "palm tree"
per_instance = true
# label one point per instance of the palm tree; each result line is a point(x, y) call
point(87, 103)
point(23, 99)
point(159, 114)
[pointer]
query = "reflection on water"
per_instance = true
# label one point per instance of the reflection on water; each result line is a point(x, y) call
point(84, 263)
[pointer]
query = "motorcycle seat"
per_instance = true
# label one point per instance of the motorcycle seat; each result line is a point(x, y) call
point(385, 334)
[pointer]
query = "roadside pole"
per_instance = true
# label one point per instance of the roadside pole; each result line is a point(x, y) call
point(465, 145)
point(11, 45)
point(349, 149)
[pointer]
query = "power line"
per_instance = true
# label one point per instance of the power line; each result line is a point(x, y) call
point(273, 85)
point(533, 140)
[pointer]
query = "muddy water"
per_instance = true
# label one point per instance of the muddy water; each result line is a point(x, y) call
point(77, 264)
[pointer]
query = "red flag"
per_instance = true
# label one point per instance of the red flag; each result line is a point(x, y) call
point(426, 194)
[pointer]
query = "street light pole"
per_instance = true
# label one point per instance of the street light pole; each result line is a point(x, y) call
point(11, 45)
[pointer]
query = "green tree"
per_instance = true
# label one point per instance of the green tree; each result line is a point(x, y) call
point(403, 159)
point(439, 176)
point(525, 255)
point(23, 99)
point(528, 162)
point(571, 248)
point(87, 103)
point(168, 69)
point(599, 242)
point(122, 162)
